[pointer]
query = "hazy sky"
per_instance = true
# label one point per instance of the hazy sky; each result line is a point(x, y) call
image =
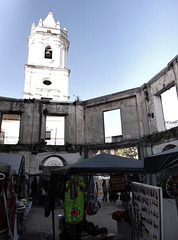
point(115, 45)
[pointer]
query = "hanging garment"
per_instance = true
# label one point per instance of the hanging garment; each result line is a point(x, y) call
point(74, 201)
point(93, 203)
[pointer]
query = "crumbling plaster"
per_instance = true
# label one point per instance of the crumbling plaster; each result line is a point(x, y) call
point(94, 122)
point(141, 117)
point(164, 80)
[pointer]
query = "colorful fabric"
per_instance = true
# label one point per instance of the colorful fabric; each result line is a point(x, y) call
point(3, 219)
point(93, 207)
point(11, 205)
point(74, 208)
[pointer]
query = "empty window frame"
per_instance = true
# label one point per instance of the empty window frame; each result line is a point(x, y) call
point(170, 107)
point(10, 127)
point(112, 125)
point(55, 126)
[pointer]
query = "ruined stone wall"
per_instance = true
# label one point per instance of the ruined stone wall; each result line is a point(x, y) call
point(94, 116)
point(141, 118)
point(33, 118)
point(164, 80)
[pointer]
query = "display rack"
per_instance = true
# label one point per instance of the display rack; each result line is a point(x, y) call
point(147, 207)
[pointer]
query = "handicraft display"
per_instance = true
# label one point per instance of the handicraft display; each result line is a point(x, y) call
point(147, 212)
point(172, 186)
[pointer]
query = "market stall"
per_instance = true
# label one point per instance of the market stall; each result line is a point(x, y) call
point(12, 169)
point(100, 164)
point(147, 212)
point(17, 164)
point(162, 171)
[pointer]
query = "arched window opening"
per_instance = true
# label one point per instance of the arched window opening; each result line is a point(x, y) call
point(48, 52)
point(53, 161)
point(168, 147)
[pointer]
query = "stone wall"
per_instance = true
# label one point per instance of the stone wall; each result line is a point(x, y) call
point(141, 118)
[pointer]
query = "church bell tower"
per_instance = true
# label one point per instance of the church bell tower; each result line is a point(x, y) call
point(46, 74)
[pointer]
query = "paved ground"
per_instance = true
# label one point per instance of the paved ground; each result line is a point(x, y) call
point(38, 227)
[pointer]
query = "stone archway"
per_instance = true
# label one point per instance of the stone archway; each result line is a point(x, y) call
point(168, 147)
point(54, 160)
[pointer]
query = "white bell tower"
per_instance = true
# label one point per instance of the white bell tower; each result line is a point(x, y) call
point(46, 74)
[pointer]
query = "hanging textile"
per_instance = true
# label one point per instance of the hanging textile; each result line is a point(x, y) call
point(74, 200)
point(11, 206)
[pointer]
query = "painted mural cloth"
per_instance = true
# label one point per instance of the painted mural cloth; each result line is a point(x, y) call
point(74, 207)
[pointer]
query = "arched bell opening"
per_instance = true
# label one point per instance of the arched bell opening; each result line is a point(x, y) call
point(48, 52)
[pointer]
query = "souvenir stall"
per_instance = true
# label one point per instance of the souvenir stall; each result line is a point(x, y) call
point(80, 176)
point(162, 171)
point(77, 195)
point(147, 212)
point(11, 170)
point(17, 164)
point(38, 187)
point(4, 227)
point(7, 204)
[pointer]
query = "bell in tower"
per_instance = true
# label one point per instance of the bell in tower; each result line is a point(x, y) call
point(48, 52)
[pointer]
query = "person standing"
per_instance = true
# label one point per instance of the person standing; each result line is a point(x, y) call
point(104, 191)
point(34, 189)
point(110, 190)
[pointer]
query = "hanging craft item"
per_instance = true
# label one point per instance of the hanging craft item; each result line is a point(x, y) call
point(172, 186)
point(74, 201)
point(93, 206)
point(118, 183)
point(93, 203)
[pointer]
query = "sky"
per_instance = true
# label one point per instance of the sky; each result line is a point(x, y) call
point(115, 45)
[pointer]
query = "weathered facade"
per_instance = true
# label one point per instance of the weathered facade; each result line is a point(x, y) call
point(24, 126)
point(142, 121)
point(142, 118)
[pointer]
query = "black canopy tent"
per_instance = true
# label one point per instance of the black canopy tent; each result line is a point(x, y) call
point(162, 170)
point(162, 161)
point(17, 163)
point(159, 166)
point(5, 168)
point(107, 163)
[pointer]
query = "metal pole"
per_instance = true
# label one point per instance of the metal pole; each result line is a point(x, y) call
point(53, 223)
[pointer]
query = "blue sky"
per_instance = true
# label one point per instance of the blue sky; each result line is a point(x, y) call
point(115, 45)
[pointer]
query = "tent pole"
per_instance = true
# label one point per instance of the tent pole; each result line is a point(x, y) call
point(53, 223)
